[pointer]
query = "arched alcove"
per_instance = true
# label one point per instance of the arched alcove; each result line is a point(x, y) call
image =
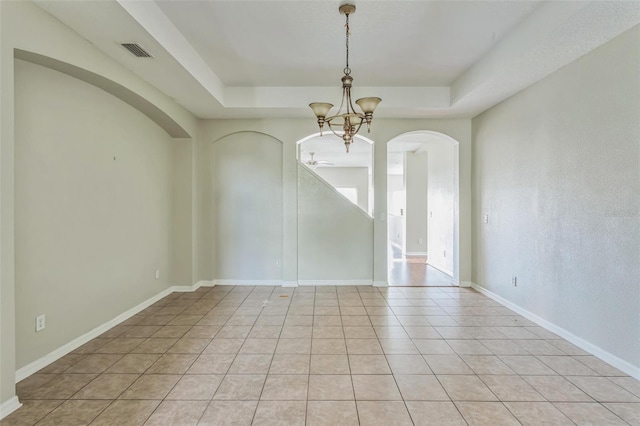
point(247, 208)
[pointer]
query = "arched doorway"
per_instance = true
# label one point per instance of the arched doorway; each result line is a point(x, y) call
point(422, 206)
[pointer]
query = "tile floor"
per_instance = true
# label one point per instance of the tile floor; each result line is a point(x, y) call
point(328, 356)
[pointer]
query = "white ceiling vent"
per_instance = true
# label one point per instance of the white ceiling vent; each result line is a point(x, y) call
point(136, 50)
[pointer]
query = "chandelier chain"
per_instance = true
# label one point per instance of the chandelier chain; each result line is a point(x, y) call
point(347, 70)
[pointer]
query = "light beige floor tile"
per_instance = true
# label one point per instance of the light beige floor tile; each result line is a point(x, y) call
point(557, 388)
point(126, 413)
point(359, 332)
point(486, 414)
point(326, 310)
point(600, 366)
point(352, 311)
point(189, 346)
point(296, 332)
point(294, 346)
point(567, 366)
point(539, 347)
point(106, 386)
point(328, 346)
point(177, 413)
point(94, 363)
point(280, 413)
point(356, 320)
point(629, 383)
point(240, 387)
point(290, 364)
point(30, 412)
point(329, 364)
point(408, 364)
point(133, 363)
point(285, 387)
point(433, 347)
point(429, 413)
point(468, 347)
point(196, 387)
point(527, 365)
point(151, 386)
point(504, 347)
point(511, 388)
point(374, 387)
point(229, 413)
point(211, 364)
point(74, 412)
point(422, 332)
point(220, 346)
point(466, 388)
point(172, 364)
point(259, 346)
point(369, 364)
point(155, 345)
point(398, 347)
point(486, 364)
point(120, 345)
point(421, 388)
point(265, 332)
point(332, 413)
point(388, 413)
point(602, 389)
point(629, 412)
point(328, 332)
point(538, 413)
point(363, 347)
point(251, 364)
point(202, 332)
point(330, 387)
point(327, 320)
point(589, 413)
point(447, 364)
point(60, 386)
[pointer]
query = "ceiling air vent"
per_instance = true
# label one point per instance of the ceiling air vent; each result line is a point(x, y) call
point(136, 50)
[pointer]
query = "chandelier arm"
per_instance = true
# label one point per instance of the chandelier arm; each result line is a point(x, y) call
point(347, 43)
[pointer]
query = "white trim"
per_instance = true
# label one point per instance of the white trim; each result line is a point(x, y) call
point(9, 406)
point(606, 356)
point(381, 284)
point(205, 283)
point(289, 283)
point(333, 282)
point(415, 253)
point(248, 282)
point(56, 354)
point(466, 284)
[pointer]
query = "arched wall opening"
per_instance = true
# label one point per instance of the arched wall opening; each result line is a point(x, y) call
point(423, 209)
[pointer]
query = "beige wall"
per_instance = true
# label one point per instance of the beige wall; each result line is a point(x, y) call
point(351, 177)
point(93, 208)
point(442, 205)
point(556, 169)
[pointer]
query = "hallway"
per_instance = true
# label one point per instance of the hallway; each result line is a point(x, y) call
point(413, 271)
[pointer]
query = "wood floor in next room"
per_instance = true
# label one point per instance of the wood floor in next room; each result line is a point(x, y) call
point(328, 356)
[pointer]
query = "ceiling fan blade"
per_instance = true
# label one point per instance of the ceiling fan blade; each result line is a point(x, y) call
point(325, 163)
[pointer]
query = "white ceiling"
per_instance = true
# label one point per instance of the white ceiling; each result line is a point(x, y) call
point(261, 58)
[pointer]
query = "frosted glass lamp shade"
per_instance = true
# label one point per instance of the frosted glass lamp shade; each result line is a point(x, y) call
point(368, 105)
point(320, 109)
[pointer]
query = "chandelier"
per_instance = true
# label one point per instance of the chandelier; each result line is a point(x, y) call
point(346, 123)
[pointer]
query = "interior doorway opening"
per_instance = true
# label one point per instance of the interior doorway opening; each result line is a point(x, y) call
point(422, 209)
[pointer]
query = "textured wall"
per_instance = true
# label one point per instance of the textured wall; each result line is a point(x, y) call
point(93, 208)
point(556, 169)
point(442, 204)
point(335, 238)
point(247, 207)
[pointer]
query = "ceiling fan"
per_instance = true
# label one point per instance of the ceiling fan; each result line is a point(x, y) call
point(315, 163)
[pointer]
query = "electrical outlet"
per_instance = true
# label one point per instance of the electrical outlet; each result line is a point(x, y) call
point(444, 253)
point(419, 240)
point(485, 218)
point(514, 281)
point(157, 274)
point(278, 262)
point(40, 324)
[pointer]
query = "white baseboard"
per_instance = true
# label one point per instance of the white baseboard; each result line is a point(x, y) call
point(247, 282)
point(381, 284)
point(597, 351)
point(9, 406)
point(465, 284)
point(415, 253)
point(334, 282)
point(289, 283)
point(205, 283)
